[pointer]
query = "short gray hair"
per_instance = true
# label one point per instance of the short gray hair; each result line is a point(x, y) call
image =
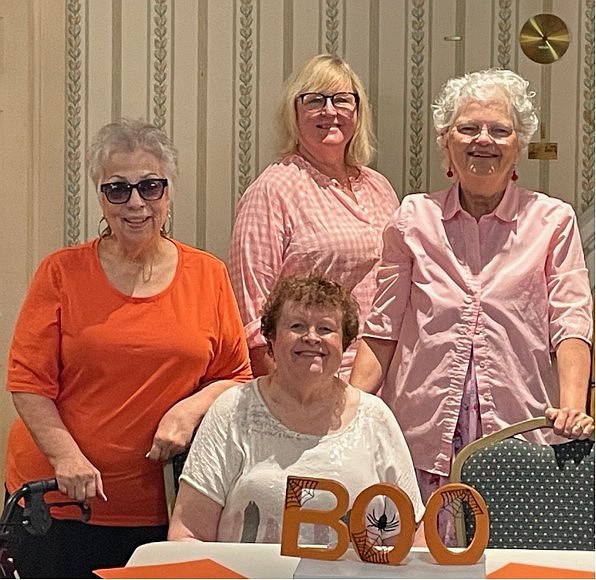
point(126, 135)
point(485, 85)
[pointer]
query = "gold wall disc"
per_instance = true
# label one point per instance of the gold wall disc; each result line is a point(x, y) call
point(544, 38)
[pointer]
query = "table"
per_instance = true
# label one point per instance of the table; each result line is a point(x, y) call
point(265, 561)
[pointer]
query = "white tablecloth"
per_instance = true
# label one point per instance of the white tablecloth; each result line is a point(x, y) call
point(265, 561)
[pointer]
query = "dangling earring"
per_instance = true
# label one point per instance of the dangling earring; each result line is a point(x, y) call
point(104, 232)
point(514, 176)
point(449, 172)
point(166, 229)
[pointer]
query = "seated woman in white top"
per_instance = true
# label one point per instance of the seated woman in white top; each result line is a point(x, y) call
point(301, 420)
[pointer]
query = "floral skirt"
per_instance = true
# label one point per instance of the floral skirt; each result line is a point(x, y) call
point(468, 429)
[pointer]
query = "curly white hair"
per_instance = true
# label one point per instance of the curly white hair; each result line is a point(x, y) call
point(487, 85)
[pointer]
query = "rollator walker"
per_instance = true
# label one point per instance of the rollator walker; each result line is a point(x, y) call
point(36, 517)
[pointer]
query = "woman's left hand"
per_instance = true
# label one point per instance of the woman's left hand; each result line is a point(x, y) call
point(174, 433)
point(176, 428)
point(570, 423)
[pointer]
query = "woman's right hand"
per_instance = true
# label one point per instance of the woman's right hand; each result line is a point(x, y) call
point(78, 478)
point(570, 423)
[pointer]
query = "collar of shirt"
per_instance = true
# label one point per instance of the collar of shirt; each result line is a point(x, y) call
point(507, 210)
point(321, 179)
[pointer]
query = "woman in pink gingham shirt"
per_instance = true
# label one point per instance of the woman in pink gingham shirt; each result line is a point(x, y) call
point(318, 208)
point(479, 284)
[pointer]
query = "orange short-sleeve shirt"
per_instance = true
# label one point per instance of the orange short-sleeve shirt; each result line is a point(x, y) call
point(114, 364)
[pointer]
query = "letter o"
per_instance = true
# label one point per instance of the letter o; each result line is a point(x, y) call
point(365, 548)
point(438, 550)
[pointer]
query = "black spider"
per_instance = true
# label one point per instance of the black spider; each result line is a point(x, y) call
point(382, 523)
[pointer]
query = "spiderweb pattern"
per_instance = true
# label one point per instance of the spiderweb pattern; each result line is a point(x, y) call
point(298, 489)
point(453, 502)
point(367, 551)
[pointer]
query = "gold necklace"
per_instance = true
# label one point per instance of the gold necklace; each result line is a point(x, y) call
point(148, 271)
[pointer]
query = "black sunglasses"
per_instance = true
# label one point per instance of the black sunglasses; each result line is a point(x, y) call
point(120, 191)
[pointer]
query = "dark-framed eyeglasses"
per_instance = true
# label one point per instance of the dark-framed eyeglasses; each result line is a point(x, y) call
point(315, 102)
point(120, 191)
point(497, 132)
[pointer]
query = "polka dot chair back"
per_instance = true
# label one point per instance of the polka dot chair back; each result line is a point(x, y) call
point(538, 496)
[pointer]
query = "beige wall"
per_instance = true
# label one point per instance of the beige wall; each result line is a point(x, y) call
point(210, 71)
point(31, 156)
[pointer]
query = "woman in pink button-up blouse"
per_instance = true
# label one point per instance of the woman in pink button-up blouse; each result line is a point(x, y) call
point(316, 209)
point(479, 285)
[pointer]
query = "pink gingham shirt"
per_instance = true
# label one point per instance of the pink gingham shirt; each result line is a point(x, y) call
point(509, 288)
point(295, 220)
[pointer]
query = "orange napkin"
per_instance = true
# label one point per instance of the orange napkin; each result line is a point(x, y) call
point(514, 570)
point(191, 569)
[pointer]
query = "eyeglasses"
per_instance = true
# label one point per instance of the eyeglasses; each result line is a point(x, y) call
point(314, 102)
point(473, 130)
point(120, 191)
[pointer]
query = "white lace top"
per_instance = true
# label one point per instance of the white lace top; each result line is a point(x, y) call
point(242, 455)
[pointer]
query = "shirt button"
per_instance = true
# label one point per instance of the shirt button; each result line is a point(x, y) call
point(482, 364)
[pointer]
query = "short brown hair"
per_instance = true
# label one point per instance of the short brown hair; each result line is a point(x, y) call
point(311, 290)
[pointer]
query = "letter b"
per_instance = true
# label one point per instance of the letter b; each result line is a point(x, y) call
point(294, 515)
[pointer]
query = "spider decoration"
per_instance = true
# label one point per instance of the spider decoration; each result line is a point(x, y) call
point(383, 523)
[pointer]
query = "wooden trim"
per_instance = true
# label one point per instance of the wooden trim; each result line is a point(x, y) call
point(169, 485)
point(515, 429)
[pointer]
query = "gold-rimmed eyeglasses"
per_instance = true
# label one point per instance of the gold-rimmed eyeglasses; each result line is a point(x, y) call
point(473, 130)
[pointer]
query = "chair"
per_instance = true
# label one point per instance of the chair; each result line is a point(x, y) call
point(538, 496)
point(171, 472)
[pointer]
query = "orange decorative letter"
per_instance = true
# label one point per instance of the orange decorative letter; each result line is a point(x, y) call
point(451, 498)
point(295, 514)
point(367, 550)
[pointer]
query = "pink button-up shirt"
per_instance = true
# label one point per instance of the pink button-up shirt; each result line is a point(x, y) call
point(509, 288)
point(295, 220)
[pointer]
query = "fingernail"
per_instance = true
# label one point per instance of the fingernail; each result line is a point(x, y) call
point(147, 454)
point(103, 496)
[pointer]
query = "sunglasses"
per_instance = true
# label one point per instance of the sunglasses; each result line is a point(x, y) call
point(120, 191)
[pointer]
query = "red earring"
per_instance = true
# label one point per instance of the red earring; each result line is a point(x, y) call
point(450, 173)
point(514, 176)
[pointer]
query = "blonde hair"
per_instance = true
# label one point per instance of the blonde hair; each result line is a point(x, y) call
point(320, 74)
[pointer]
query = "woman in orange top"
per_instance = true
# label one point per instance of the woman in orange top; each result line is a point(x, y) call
point(120, 348)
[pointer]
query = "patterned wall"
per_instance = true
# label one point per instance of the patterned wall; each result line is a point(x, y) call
point(209, 72)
